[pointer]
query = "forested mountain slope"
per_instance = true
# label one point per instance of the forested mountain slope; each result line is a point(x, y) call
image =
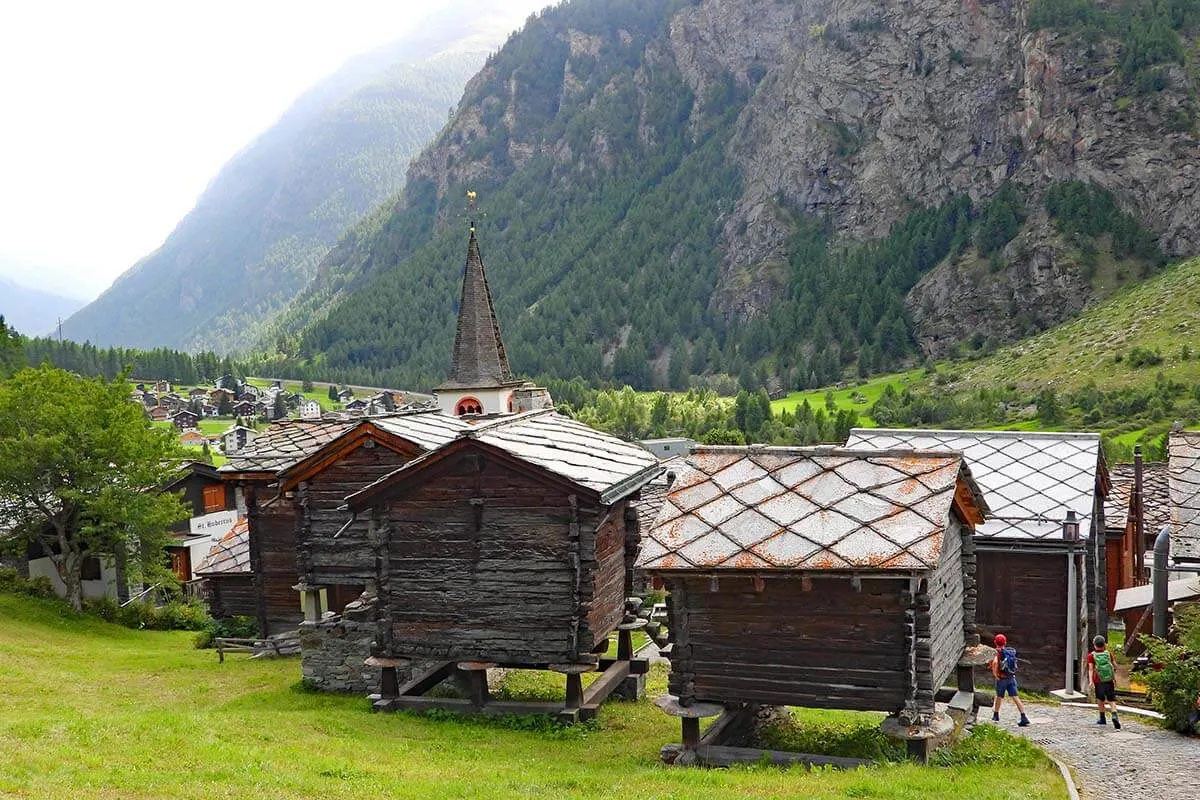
point(779, 191)
point(255, 237)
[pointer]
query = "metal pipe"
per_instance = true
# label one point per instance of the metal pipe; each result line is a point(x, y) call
point(1139, 519)
point(1159, 576)
point(1072, 622)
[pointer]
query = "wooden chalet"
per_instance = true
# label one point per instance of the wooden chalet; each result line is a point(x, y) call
point(510, 546)
point(1136, 509)
point(206, 494)
point(1041, 554)
point(185, 419)
point(819, 577)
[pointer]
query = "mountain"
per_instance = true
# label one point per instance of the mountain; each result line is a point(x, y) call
point(33, 311)
point(782, 192)
point(257, 232)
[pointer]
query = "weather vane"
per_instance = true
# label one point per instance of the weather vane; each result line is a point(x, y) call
point(471, 195)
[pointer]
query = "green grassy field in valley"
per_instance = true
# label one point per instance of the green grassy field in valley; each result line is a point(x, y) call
point(92, 710)
point(856, 398)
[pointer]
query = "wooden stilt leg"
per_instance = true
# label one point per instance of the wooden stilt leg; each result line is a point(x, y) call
point(691, 732)
point(574, 690)
point(624, 645)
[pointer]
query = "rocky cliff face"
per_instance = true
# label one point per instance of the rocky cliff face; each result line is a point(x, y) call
point(861, 112)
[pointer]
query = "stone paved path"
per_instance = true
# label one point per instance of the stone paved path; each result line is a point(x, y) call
point(1138, 762)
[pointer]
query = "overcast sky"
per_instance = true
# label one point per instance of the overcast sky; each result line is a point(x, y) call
point(116, 115)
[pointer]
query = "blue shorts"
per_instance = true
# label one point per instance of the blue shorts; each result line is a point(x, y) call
point(1006, 686)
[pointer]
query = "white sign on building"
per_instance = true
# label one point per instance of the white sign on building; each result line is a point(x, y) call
point(213, 525)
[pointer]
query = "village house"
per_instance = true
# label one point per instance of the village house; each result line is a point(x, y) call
point(237, 438)
point(1137, 507)
point(667, 449)
point(244, 408)
point(225, 576)
point(310, 409)
point(1183, 478)
point(819, 577)
point(162, 386)
point(213, 512)
point(1041, 554)
point(345, 395)
point(197, 393)
point(184, 419)
point(159, 414)
point(192, 438)
point(217, 395)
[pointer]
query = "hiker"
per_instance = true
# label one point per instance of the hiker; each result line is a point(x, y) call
point(1103, 673)
point(1004, 669)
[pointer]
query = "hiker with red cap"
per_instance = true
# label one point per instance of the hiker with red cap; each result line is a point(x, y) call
point(1004, 670)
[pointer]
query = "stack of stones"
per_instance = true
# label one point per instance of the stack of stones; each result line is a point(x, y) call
point(333, 649)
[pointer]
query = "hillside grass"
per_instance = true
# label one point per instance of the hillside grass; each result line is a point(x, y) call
point(857, 398)
point(93, 710)
point(1160, 315)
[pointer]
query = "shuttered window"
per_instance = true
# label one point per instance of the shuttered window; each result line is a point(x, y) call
point(214, 498)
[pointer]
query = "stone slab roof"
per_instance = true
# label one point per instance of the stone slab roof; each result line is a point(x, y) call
point(610, 466)
point(285, 443)
point(1030, 479)
point(1183, 478)
point(230, 555)
point(816, 508)
point(1156, 496)
point(426, 427)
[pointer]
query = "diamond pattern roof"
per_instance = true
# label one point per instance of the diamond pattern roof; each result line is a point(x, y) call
point(1029, 479)
point(1156, 497)
point(1183, 478)
point(814, 508)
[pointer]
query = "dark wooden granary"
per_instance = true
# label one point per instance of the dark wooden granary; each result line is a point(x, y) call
point(294, 477)
point(817, 577)
point(510, 546)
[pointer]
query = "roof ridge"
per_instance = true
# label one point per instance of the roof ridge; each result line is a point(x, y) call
point(1081, 435)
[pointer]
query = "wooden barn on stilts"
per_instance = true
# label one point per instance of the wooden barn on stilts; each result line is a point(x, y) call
point(818, 577)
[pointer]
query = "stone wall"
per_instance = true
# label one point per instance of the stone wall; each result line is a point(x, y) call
point(333, 649)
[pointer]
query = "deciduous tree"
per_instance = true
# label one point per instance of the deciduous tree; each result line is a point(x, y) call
point(80, 468)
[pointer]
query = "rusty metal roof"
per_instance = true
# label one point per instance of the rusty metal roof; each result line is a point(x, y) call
point(1030, 479)
point(1183, 478)
point(230, 555)
point(814, 508)
point(1156, 497)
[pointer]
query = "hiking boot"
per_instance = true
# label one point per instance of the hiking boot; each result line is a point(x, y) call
point(1102, 721)
point(995, 716)
point(1024, 721)
point(1116, 722)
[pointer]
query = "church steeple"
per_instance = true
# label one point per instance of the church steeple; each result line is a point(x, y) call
point(479, 358)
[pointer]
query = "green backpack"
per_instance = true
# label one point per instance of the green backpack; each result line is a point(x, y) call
point(1104, 665)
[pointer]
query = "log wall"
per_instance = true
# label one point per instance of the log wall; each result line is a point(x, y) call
point(945, 621)
point(273, 562)
point(482, 561)
point(232, 596)
point(349, 558)
point(829, 647)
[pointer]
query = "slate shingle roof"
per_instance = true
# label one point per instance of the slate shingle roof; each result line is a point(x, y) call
point(479, 358)
point(814, 508)
point(428, 428)
point(610, 466)
point(230, 555)
point(285, 443)
point(1183, 477)
point(1156, 497)
point(1030, 479)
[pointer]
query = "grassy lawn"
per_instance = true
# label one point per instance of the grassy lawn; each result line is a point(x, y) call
point(856, 398)
point(92, 710)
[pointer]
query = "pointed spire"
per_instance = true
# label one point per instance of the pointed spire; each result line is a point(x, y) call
point(479, 357)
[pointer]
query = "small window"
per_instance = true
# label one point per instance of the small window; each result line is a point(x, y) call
point(90, 569)
point(468, 405)
point(214, 498)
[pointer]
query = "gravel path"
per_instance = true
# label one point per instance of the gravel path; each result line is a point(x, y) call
point(1138, 762)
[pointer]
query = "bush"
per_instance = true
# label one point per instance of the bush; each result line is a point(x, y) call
point(232, 628)
point(11, 582)
point(176, 615)
point(1174, 684)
